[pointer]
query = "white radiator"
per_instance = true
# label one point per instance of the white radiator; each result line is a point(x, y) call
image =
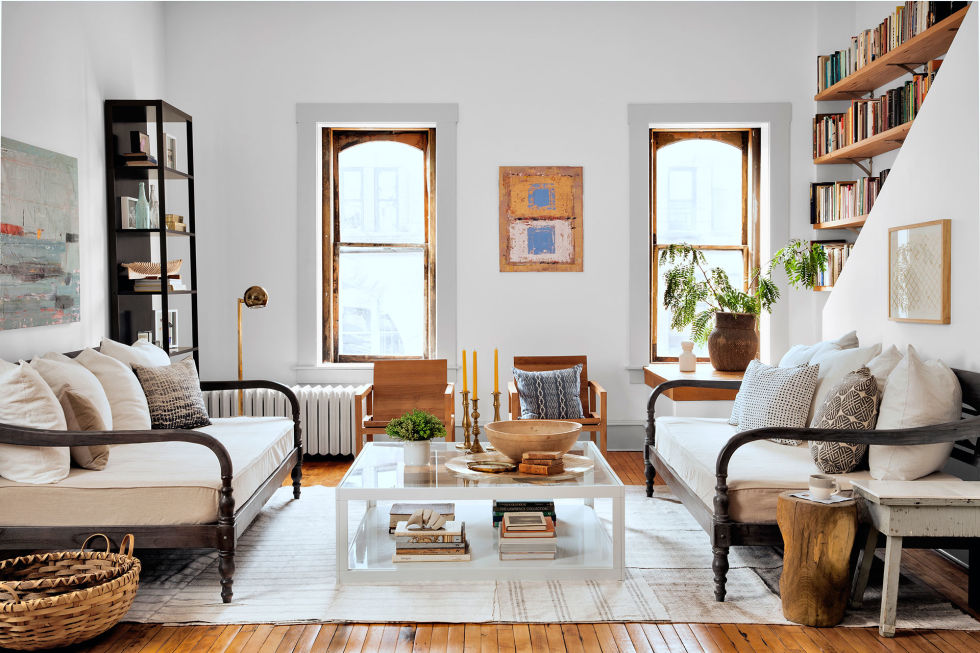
point(326, 413)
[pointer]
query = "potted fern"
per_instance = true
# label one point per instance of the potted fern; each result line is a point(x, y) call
point(703, 298)
point(415, 429)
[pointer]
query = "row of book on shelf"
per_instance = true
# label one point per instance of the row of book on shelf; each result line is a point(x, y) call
point(831, 201)
point(867, 117)
point(837, 254)
point(526, 531)
point(907, 21)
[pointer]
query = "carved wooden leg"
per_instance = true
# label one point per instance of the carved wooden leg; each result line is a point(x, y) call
point(226, 568)
point(720, 566)
point(651, 430)
point(298, 477)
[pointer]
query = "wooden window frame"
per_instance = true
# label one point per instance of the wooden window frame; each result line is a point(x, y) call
point(334, 141)
point(746, 140)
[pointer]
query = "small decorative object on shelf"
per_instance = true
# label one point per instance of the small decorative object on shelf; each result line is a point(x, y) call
point(445, 544)
point(142, 209)
point(171, 145)
point(171, 327)
point(425, 519)
point(687, 361)
point(154, 209)
point(147, 269)
point(403, 511)
point(145, 336)
point(127, 212)
point(415, 429)
point(139, 143)
point(175, 222)
point(542, 463)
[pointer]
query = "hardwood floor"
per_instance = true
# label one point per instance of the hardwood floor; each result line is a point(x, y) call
point(947, 578)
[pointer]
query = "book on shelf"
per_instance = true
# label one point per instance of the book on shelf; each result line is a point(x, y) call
point(152, 284)
point(425, 557)
point(447, 544)
point(548, 531)
point(905, 22)
point(525, 521)
point(501, 508)
point(402, 511)
point(837, 255)
point(432, 549)
point(843, 200)
point(527, 545)
point(541, 555)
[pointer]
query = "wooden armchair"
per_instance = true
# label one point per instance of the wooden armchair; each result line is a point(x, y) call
point(399, 387)
point(592, 394)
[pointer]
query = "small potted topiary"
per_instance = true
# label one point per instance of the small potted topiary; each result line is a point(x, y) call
point(415, 429)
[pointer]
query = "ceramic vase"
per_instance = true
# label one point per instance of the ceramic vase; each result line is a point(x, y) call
point(142, 209)
point(687, 360)
point(417, 452)
point(734, 342)
point(154, 209)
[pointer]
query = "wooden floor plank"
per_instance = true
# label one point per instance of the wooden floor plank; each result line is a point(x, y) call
point(572, 639)
point(406, 638)
point(589, 639)
point(622, 637)
point(389, 638)
point(339, 640)
point(271, 643)
point(488, 638)
point(638, 638)
point(372, 641)
point(705, 638)
point(656, 640)
point(539, 637)
point(505, 638)
point(457, 634)
point(356, 640)
point(471, 638)
point(440, 638)
point(522, 639)
point(556, 639)
point(761, 638)
point(686, 635)
point(305, 642)
point(606, 640)
point(192, 640)
point(323, 637)
point(160, 639)
point(241, 638)
point(289, 639)
point(423, 639)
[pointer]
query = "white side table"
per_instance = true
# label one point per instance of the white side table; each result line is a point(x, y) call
point(911, 509)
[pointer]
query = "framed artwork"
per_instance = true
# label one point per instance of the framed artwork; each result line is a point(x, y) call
point(171, 327)
point(127, 212)
point(39, 256)
point(919, 272)
point(540, 219)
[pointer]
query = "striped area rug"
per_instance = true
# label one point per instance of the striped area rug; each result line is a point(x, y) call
point(286, 569)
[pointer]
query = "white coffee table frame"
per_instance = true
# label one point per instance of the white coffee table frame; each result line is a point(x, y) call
point(587, 550)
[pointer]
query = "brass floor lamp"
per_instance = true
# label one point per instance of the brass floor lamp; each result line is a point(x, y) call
point(254, 297)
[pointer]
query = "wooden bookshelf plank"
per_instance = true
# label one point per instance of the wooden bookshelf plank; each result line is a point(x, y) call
point(918, 50)
point(880, 143)
point(850, 223)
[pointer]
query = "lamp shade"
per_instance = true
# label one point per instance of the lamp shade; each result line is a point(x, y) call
point(256, 297)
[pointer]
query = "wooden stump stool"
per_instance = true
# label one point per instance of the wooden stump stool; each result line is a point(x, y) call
point(817, 543)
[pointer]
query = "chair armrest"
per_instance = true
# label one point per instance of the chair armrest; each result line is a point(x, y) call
point(600, 392)
point(365, 391)
point(208, 386)
point(450, 396)
point(513, 400)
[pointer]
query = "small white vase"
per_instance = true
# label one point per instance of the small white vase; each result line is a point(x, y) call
point(688, 361)
point(417, 453)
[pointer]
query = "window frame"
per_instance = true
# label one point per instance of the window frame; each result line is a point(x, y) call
point(746, 140)
point(334, 140)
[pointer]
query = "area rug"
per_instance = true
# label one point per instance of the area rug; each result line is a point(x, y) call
point(286, 570)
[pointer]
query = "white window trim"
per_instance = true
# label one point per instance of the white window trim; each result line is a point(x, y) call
point(774, 121)
point(310, 118)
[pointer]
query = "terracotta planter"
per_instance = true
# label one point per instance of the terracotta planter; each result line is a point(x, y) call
point(734, 342)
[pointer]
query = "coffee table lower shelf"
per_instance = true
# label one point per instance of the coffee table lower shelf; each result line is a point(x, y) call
point(586, 550)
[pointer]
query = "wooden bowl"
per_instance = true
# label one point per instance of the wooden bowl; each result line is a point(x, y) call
point(513, 438)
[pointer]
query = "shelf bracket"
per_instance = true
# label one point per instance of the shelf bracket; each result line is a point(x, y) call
point(907, 67)
point(864, 168)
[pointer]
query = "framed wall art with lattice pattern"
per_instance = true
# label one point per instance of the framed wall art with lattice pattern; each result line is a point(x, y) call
point(919, 272)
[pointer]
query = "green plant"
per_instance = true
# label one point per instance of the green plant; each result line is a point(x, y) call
point(415, 426)
point(694, 292)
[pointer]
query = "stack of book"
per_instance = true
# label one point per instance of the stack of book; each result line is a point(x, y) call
point(543, 463)
point(152, 284)
point(837, 254)
point(527, 536)
point(501, 508)
point(402, 511)
point(905, 22)
point(447, 544)
point(842, 200)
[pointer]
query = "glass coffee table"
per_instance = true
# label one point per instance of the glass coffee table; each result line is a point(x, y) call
point(587, 550)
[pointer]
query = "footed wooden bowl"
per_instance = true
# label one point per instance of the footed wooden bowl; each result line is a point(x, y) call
point(515, 437)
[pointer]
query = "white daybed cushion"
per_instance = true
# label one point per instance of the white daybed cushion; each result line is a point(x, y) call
point(155, 483)
point(141, 352)
point(26, 400)
point(757, 473)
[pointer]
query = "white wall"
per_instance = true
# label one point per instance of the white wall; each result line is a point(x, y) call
point(934, 176)
point(59, 62)
point(537, 84)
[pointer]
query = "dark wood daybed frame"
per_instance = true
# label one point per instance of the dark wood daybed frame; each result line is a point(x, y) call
point(725, 533)
point(221, 535)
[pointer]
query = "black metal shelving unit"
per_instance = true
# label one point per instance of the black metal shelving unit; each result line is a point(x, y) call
point(132, 311)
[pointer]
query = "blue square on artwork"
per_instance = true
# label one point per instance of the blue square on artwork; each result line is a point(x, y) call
point(541, 240)
point(541, 196)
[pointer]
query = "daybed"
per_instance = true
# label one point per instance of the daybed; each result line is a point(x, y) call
point(733, 497)
point(172, 489)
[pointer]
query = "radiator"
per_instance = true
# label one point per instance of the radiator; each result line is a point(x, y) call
point(326, 413)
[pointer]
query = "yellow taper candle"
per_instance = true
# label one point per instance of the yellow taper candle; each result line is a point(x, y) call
point(474, 375)
point(496, 376)
point(464, 370)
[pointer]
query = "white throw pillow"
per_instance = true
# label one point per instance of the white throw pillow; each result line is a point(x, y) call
point(61, 373)
point(28, 401)
point(804, 354)
point(834, 366)
point(882, 365)
point(918, 393)
point(141, 352)
point(847, 341)
point(130, 411)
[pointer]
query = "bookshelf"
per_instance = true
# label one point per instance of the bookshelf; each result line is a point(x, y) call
point(849, 223)
point(872, 146)
point(930, 44)
point(170, 315)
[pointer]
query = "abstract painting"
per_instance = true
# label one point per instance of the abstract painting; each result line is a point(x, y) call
point(39, 259)
point(540, 219)
point(919, 272)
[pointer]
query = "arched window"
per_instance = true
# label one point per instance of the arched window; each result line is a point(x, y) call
point(699, 194)
point(378, 255)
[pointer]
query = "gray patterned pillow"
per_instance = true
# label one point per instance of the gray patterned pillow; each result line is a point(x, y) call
point(173, 393)
point(851, 404)
point(739, 404)
point(778, 396)
point(553, 394)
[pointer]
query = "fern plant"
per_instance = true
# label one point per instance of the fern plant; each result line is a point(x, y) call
point(694, 291)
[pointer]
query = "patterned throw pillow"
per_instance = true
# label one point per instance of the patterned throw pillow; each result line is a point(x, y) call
point(739, 404)
point(778, 396)
point(173, 393)
point(553, 394)
point(851, 404)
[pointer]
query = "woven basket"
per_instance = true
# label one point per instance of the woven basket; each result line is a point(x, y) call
point(61, 608)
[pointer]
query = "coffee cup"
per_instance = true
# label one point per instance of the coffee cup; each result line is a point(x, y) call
point(823, 486)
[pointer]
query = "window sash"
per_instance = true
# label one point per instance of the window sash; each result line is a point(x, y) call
point(336, 140)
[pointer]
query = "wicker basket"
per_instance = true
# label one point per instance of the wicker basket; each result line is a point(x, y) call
point(53, 607)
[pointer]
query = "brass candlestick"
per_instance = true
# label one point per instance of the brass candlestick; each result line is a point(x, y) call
point(465, 444)
point(476, 447)
point(496, 406)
